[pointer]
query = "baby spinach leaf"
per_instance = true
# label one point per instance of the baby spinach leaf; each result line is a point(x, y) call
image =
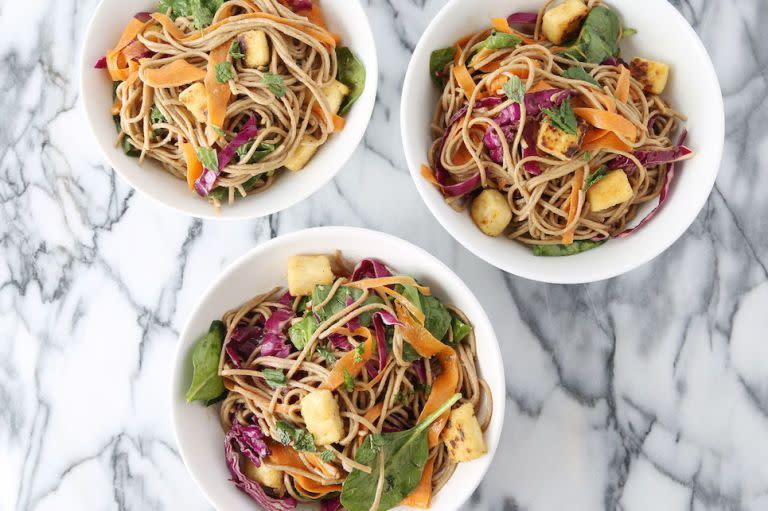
point(206, 383)
point(351, 72)
point(437, 62)
point(459, 328)
point(579, 73)
point(301, 331)
point(339, 301)
point(576, 247)
point(599, 37)
point(436, 317)
point(260, 153)
point(401, 455)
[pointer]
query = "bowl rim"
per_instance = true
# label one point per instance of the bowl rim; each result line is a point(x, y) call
point(372, 82)
point(445, 215)
point(496, 362)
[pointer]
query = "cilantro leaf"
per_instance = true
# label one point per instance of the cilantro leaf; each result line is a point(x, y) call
point(326, 354)
point(595, 177)
point(327, 455)
point(563, 118)
point(515, 89)
point(349, 382)
point(274, 83)
point(359, 352)
point(156, 115)
point(235, 51)
point(224, 72)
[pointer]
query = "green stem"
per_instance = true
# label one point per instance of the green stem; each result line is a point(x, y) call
point(437, 413)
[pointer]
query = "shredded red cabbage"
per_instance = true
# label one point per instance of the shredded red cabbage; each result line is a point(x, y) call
point(250, 441)
point(243, 341)
point(649, 158)
point(286, 299)
point(370, 268)
point(662, 196)
point(462, 188)
point(353, 323)
point(204, 184)
point(614, 61)
point(421, 371)
point(277, 320)
point(143, 16)
point(528, 147)
point(300, 5)
point(101, 63)
point(332, 504)
point(339, 341)
point(275, 345)
point(523, 18)
point(251, 488)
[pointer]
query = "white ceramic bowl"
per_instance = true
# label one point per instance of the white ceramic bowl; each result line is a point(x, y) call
point(198, 432)
point(345, 17)
point(663, 34)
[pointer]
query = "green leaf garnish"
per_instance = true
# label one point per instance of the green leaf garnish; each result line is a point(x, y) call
point(224, 72)
point(301, 332)
point(326, 354)
point(515, 89)
point(562, 117)
point(351, 73)
point(349, 382)
point(209, 158)
point(206, 384)
point(301, 438)
point(235, 51)
point(274, 83)
point(595, 177)
point(579, 73)
point(327, 455)
point(275, 378)
point(576, 247)
point(359, 352)
point(437, 62)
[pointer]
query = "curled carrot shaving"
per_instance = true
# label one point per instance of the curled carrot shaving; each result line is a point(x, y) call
point(622, 86)
point(446, 383)
point(607, 141)
point(427, 174)
point(217, 94)
point(464, 40)
point(389, 281)
point(608, 121)
point(578, 181)
point(194, 167)
point(338, 123)
point(116, 61)
point(608, 102)
point(405, 302)
point(348, 362)
point(422, 494)
point(287, 457)
point(372, 414)
point(593, 134)
point(464, 79)
point(502, 25)
point(177, 73)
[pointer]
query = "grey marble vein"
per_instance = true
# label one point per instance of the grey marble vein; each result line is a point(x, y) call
point(657, 398)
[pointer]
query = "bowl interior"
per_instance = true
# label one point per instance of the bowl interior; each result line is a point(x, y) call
point(693, 89)
point(344, 17)
point(198, 431)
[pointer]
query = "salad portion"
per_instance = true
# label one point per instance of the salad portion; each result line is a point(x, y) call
point(547, 135)
point(227, 94)
point(353, 388)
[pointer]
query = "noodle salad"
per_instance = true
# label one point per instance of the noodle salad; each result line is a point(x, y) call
point(547, 135)
point(226, 94)
point(354, 387)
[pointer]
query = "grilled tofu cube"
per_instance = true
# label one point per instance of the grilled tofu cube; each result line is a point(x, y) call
point(491, 212)
point(613, 189)
point(652, 75)
point(556, 142)
point(321, 415)
point(561, 23)
point(255, 46)
point(304, 272)
point(301, 155)
point(463, 436)
point(264, 475)
point(196, 101)
point(335, 94)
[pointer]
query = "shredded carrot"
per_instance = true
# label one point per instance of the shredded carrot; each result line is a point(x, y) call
point(464, 40)
point(116, 62)
point(593, 134)
point(288, 457)
point(540, 86)
point(323, 36)
point(457, 55)
point(372, 414)
point(422, 494)
point(260, 401)
point(194, 167)
point(427, 173)
point(607, 141)
point(464, 79)
point(217, 94)
point(348, 362)
point(622, 86)
point(446, 383)
point(608, 102)
point(608, 121)
point(315, 461)
point(177, 73)
point(338, 123)
point(578, 181)
point(388, 281)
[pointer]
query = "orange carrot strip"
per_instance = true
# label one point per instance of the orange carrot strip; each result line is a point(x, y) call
point(540, 86)
point(422, 494)
point(194, 167)
point(578, 181)
point(608, 141)
point(608, 102)
point(502, 25)
point(372, 414)
point(464, 79)
point(388, 281)
point(593, 134)
point(336, 376)
point(446, 383)
point(464, 40)
point(217, 94)
point(405, 302)
point(117, 69)
point(286, 456)
point(177, 73)
point(427, 173)
point(622, 86)
point(338, 123)
point(608, 121)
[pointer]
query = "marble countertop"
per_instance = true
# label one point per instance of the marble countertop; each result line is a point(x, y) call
point(657, 398)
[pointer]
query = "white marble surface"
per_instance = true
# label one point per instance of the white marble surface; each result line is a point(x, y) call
point(646, 392)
